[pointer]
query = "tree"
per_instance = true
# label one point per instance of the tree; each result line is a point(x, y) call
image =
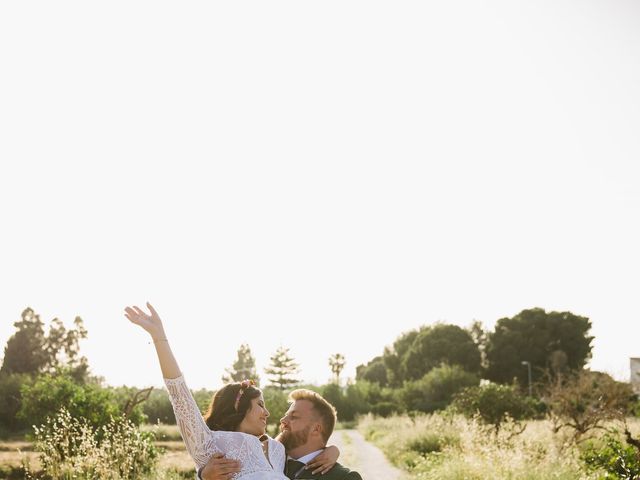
point(10, 401)
point(26, 349)
point(435, 390)
point(375, 372)
point(387, 369)
point(158, 408)
point(50, 392)
point(63, 349)
point(417, 352)
point(243, 368)
point(481, 339)
point(537, 337)
point(276, 401)
point(282, 369)
point(440, 344)
point(586, 400)
point(494, 404)
point(393, 356)
point(337, 363)
point(31, 351)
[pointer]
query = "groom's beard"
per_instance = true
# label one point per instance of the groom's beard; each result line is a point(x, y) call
point(292, 440)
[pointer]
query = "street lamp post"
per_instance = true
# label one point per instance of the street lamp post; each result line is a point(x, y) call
point(528, 364)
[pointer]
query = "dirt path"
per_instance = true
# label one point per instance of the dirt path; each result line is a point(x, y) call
point(360, 455)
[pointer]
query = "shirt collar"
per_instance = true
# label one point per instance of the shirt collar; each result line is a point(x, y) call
point(307, 458)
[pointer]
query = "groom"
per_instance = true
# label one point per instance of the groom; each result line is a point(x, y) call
point(304, 432)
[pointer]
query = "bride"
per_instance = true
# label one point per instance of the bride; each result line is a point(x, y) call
point(235, 423)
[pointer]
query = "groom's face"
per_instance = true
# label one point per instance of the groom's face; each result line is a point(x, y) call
point(297, 423)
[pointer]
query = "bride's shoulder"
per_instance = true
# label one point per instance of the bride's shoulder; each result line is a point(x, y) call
point(273, 443)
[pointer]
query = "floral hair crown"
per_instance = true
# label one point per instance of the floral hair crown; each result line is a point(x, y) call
point(243, 386)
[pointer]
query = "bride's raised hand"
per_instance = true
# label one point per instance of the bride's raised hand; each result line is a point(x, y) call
point(151, 323)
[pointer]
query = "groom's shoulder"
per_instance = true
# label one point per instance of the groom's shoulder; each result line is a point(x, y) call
point(340, 472)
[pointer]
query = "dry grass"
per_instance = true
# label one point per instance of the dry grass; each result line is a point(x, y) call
point(163, 432)
point(442, 447)
point(174, 461)
point(17, 458)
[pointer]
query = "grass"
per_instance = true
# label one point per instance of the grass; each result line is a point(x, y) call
point(348, 456)
point(174, 462)
point(164, 433)
point(441, 447)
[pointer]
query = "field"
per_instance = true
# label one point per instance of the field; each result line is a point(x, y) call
point(426, 447)
point(454, 448)
point(174, 462)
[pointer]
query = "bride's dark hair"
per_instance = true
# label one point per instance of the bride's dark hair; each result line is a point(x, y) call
point(222, 413)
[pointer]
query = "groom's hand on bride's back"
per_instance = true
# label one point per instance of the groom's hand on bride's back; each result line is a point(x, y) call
point(219, 468)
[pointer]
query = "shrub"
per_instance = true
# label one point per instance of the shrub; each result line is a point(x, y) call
point(124, 395)
point(364, 397)
point(436, 389)
point(276, 402)
point(493, 404)
point(584, 401)
point(158, 408)
point(72, 448)
point(614, 457)
point(355, 403)
point(10, 400)
point(50, 392)
point(203, 398)
point(385, 409)
point(429, 442)
point(452, 447)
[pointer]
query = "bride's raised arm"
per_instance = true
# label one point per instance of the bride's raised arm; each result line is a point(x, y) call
point(194, 430)
point(153, 325)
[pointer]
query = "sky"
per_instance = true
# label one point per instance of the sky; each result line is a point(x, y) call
point(320, 176)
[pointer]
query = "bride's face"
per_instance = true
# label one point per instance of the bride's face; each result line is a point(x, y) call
point(255, 420)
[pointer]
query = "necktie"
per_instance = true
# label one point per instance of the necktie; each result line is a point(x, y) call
point(294, 468)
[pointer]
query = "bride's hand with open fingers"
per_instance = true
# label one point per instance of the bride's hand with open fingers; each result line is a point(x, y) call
point(151, 323)
point(325, 461)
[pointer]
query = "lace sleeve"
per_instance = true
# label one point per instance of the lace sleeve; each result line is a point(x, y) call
point(202, 443)
point(195, 432)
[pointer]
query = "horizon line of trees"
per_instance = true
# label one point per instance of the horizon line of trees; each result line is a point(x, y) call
point(547, 341)
point(424, 370)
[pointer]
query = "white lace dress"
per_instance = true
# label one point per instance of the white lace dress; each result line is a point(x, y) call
point(202, 442)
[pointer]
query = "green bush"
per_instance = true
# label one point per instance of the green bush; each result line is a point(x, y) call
point(203, 398)
point(436, 389)
point(372, 398)
point(276, 402)
point(614, 457)
point(158, 408)
point(494, 403)
point(332, 393)
point(73, 448)
point(430, 442)
point(356, 402)
point(51, 392)
point(385, 409)
point(122, 396)
point(10, 401)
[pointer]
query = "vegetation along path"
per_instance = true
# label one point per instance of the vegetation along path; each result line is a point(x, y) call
point(360, 455)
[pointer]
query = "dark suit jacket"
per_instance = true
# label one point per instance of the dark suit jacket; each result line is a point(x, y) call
point(338, 472)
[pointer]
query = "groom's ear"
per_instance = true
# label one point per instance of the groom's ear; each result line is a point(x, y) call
point(318, 428)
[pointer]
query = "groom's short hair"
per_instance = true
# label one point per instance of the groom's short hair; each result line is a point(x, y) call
point(325, 410)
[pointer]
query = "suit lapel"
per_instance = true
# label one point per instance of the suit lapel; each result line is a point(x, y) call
point(308, 475)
